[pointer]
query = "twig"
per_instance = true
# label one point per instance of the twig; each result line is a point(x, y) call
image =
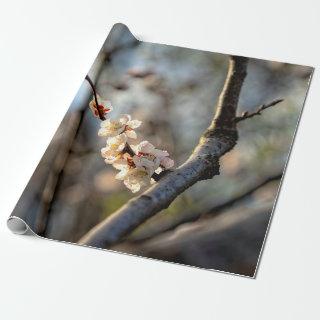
point(247, 115)
point(127, 149)
point(101, 116)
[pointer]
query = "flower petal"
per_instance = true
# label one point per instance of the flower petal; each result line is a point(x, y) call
point(121, 175)
point(103, 132)
point(131, 134)
point(134, 124)
point(110, 107)
point(133, 187)
point(159, 170)
point(105, 123)
point(124, 118)
point(160, 153)
point(120, 164)
point(146, 147)
point(167, 163)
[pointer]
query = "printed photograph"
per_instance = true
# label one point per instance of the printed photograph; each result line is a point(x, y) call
point(170, 153)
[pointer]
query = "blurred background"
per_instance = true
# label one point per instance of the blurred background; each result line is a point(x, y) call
point(216, 224)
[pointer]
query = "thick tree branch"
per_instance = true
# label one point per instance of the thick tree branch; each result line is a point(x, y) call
point(219, 138)
point(246, 115)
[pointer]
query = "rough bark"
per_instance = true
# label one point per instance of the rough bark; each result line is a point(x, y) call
point(219, 138)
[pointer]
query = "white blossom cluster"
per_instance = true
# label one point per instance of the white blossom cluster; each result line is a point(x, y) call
point(136, 162)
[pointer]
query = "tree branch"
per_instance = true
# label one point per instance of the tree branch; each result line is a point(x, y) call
point(101, 116)
point(155, 228)
point(246, 115)
point(219, 138)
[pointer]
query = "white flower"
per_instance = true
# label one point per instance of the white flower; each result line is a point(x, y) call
point(146, 151)
point(145, 147)
point(113, 127)
point(133, 178)
point(123, 166)
point(117, 143)
point(136, 166)
point(114, 148)
point(148, 163)
point(136, 178)
point(166, 163)
point(104, 106)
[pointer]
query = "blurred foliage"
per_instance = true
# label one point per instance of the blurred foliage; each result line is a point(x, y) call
point(113, 202)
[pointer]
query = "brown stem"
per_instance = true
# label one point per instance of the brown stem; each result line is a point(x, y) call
point(128, 149)
point(101, 116)
point(247, 115)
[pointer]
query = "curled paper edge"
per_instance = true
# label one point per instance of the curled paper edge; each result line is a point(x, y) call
point(19, 226)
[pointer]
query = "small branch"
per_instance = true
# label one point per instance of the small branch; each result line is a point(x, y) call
point(128, 149)
point(101, 116)
point(246, 115)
